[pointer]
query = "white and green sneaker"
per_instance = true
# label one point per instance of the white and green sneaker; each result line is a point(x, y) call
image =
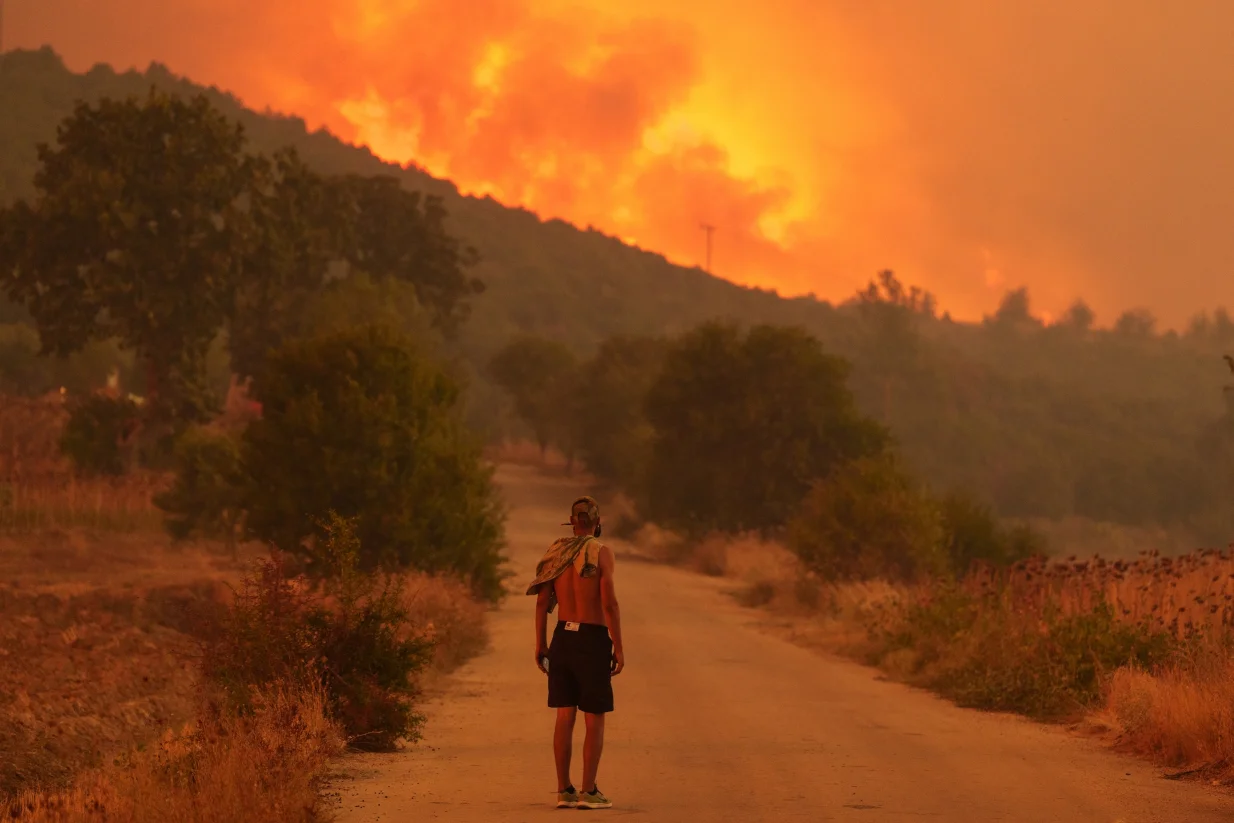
point(594, 800)
point(568, 799)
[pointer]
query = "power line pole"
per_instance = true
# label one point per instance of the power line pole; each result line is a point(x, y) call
point(1, 26)
point(707, 227)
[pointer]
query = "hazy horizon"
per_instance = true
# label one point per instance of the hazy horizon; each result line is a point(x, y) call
point(1071, 147)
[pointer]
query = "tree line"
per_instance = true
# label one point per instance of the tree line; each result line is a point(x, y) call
point(153, 228)
point(732, 430)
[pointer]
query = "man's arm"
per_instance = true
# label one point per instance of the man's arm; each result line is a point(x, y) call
point(542, 598)
point(608, 602)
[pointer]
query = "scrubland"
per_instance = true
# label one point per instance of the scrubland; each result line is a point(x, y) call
point(1139, 651)
point(104, 621)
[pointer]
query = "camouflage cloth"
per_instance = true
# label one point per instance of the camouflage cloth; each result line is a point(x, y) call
point(579, 552)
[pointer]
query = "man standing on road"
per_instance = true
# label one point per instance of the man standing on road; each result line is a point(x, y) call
point(577, 573)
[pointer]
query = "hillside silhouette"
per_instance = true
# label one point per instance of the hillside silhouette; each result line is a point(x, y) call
point(1124, 425)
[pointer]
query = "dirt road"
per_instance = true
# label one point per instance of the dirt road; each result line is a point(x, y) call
point(718, 721)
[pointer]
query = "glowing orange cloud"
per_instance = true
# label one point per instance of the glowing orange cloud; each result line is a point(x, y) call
point(974, 147)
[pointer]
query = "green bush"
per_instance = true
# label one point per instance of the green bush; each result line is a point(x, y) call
point(972, 533)
point(868, 519)
point(206, 496)
point(98, 435)
point(744, 423)
point(351, 636)
point(985, 653)
point(358, 422)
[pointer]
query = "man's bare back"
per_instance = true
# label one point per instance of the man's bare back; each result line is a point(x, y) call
point(579, 598)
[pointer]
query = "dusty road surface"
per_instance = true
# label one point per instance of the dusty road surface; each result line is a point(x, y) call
point(717, 721)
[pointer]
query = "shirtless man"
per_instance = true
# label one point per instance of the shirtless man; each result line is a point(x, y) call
point(586, 652)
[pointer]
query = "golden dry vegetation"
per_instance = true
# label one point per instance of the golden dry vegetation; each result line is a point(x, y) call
point(102, 713)
point(1036, 636)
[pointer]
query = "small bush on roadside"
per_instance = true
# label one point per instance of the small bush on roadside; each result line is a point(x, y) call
point(349, 634)
point(868, 519)
point(973, 533)
point(98, 433)
point(205, 498)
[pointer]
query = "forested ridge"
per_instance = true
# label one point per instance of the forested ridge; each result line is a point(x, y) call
point(1125, 424)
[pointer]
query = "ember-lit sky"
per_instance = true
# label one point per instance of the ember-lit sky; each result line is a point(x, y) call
point(1084, 148)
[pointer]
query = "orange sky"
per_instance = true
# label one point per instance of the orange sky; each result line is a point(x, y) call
point(1079, 147)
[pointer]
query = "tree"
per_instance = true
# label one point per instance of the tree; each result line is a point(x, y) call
point(98, 434)
point(537, 374)
point(401, 234)
point(311, 233)
point(1078, 317)
point(1014, 311)
point(1138, 324)
point(972, 533)
point(609, 421)
point(892, 314)
point(868, 519)
point(359, 423)
point(744, 423)
point(135, 233)
point(298, 231)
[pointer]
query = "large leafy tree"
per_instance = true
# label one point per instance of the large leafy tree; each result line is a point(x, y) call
point(310, 233)
point(135, 233)
point(744, 423)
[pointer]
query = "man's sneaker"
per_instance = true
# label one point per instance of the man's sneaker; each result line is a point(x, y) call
point(568, 799)
point(594, 800)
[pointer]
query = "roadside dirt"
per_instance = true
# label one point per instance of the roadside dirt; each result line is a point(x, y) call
point(717, 720)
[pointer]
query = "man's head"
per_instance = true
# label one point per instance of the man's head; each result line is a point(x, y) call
point(585, 516)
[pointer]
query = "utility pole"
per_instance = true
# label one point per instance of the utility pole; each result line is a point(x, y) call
point(1, 26)
point(710, 229)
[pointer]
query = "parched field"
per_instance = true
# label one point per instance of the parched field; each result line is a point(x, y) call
point(97, 642)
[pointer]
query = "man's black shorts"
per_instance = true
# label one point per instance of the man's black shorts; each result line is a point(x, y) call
point(580, 668)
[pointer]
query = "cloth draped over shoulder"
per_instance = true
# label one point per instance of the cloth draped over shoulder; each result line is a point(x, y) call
point(579, 552)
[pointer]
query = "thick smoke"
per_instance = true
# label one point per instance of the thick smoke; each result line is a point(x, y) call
point(1075, 146)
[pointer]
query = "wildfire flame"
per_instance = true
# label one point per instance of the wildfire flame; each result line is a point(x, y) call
point(971, 146)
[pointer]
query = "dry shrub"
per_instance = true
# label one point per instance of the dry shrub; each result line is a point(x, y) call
point(445, 611)
point(266, 767)
point(1187, 596)
point(1182, 714)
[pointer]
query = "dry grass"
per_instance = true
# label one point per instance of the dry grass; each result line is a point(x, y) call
point(39, 490)
point(1188, 596)
point(66, 502)
point(1180, 713)
point(99, 638)
point(444, 610)
point(96, 648)
point(267, 768)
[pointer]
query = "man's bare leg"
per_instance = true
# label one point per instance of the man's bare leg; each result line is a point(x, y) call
point(593, 745)
point(563, 745)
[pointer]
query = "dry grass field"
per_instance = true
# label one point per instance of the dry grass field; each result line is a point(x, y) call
point(102, 715)
point(1036, 639)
